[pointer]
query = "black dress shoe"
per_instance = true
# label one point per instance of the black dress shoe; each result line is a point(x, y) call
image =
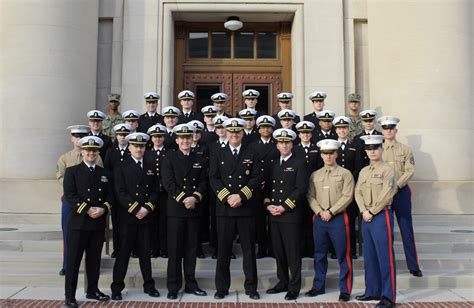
point(276, 289)
point(354, 257)
point(416, 273)
point(71, 302)
point(314, 292)
point(232, 256)
point(116, 296)
point(385, 303)
point(333, 256)
point(291, 296)
point(62, 272)
point(214, 256)
point(172, 295)
point(201, 256)
point(197, 292)
point(153, 292)
point(252, 294)
point(260, 255)
point(344, 297)
point(364, 298)
point(164, 255)
point(134, 255)
point(220, 294)
point(154, 254)
point(98, 296)
point(113, 255)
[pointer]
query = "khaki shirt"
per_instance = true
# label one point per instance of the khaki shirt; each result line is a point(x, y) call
point(109, 123)
point(355, 127)
point(376, 187)
point(70, 159)
point(400, 157)
point(330, 188)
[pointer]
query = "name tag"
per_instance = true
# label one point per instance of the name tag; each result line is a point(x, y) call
point(377, 176)
point(326, 187)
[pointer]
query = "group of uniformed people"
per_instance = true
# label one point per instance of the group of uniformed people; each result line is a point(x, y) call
point(292, 188)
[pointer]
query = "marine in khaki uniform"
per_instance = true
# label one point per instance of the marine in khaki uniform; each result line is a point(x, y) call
point(89, 192)
point(374, 194)
point(69, 159)
point(330, 192)
point(355, 127)
point(400, 157)
point(113, 116)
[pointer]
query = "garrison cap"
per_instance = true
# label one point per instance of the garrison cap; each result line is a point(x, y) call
point(368, 114)
point(250, 93)
point(285, 97)
point(96, 115)
point(265, 120)
point(372, 141)
point(151, 96)
point(219, 97)
point(79, 130)
point(209, 110)
point(326, 115)
point(388, 121)
point(328, 145)
point(286, 114)
point(184, 129)
point(113, 97)
point(341, 121)
point(131, 115)
point(91, 142)
point(170, 111)
point(353, 97)
point(219, 120)
point(198, 125)
point(305, 126)
point(247, 113)
point(186, 94)
point(318, 96)
point(123, 128)
point(284, 134)
point(156, 130)
point(234, 124)
point(138, 138)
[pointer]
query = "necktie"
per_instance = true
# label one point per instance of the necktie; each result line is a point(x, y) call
point(306, 149)
point(186, 115)
point(92, 169)
point(139, 164)
point(223, 144)
point(122, 151)
point(158, 152)
point(343, 146)
point(235, 154)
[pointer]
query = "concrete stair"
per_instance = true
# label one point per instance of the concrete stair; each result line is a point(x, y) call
point(31, 256)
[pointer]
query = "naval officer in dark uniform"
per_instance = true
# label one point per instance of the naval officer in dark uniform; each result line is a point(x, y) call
point(284, 200)
point(137, 191)
point(151, 116)
point(234, 174)
point(184, 177)
point(89, 192)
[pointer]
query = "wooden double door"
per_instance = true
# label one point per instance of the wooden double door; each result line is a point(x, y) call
point(204, 85)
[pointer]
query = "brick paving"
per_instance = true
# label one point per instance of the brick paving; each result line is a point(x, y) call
point(137, 304)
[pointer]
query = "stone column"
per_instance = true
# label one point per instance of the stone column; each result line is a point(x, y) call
point(47, 76)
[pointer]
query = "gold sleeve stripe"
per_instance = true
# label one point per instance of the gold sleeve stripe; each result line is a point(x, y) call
point(150, 205)
point(197, 193)
point(247, 192)
point(178, 197)
point(132, 207)
point(109, 207)
point(223, 193)
point(290, 203)
point(81, 207)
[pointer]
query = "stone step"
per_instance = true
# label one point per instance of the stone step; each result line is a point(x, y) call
point(423, 233)
point(40, 277)
point(56, 245)
point(53, 260)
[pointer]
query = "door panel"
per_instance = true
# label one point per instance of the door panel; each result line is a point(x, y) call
point(206, 84)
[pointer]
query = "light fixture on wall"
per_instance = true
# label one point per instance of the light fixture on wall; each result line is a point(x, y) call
point(233, 23)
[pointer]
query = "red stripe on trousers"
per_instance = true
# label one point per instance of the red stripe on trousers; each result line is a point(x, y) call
point(348, 252)
point(390, 253)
